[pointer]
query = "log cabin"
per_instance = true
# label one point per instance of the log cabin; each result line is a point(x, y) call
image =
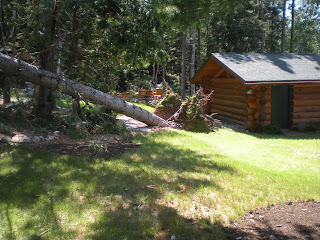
point(256, 89)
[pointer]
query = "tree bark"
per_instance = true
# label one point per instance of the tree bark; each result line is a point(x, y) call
point(44, 99)
point(183, 65)
point(261, 18)
point(31, 73)
point(199, 50)
point(193, 62)
point(73, 54)
point(164, 69)
point(6, 92)
point(4, 84)
point(283, 35)
point(292, 26)
point(2, 23)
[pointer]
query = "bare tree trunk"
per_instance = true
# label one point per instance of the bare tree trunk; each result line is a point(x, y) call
point(283, 35)
point(30, 73)
point(183, 65)
point(73, 55)
point(13, 29)
point(292, 26)
point(6, 92)
point(164, 69)
point(157, 72)
point(261, 18)
point(153, 70)
point(2, 23)
point(199, 50)
point(44, 98)
point(193, 61)
point(5, 85)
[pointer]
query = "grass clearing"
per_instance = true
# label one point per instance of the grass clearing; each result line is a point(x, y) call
point(178, 182)
point(67, 103)
point(144, 106)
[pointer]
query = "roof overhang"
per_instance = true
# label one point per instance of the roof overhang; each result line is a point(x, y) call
point(282, 82)
point(203, 75)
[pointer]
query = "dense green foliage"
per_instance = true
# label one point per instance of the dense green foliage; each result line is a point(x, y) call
point(112, 45)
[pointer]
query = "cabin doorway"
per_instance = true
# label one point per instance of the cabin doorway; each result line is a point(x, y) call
point(280, 105)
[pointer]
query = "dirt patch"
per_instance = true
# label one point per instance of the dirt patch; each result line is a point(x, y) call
point(105, 151)
point(104, 146)
point(289, 221)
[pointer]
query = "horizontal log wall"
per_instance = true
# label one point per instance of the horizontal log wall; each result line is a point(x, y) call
point(306, 105)
point(228, 99)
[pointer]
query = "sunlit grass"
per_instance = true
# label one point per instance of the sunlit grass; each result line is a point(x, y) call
point(144, 106)
point(67, 103)
point(181, 183)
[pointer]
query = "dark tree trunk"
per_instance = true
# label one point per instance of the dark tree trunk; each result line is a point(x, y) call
point(199, 50)
point(6, 92)
point(73, 55)
point(74, 48)
point(76, 106)
point(183, 65)
point(283, 35)
point(5, 85)
point(292, 26)
point(193, 61)
point(164, 69)
point(261, 18)
point(2, 23)
point(44, 97)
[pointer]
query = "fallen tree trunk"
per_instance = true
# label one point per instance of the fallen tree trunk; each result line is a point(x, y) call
point(31, 73)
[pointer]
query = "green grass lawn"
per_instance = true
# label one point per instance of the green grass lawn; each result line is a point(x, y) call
point(181, 183)
point(144, 106)
point(67, 103)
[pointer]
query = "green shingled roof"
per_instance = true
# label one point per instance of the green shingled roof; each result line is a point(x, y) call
point(259, 68)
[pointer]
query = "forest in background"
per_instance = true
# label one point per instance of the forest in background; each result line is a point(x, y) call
point(115, 45)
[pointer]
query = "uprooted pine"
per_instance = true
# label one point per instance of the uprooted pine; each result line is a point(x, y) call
point(190, 113)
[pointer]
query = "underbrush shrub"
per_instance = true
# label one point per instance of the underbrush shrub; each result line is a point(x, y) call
point(92, 120)
point(22, 116)
point(78, 130)
point(96, 120)
point(313, 127)
point(4, 129)
point(273, 128)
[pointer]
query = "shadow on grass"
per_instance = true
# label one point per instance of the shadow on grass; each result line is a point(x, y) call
point(149, 173)
point(33, 188)
point(38, 191)
point(136, 224)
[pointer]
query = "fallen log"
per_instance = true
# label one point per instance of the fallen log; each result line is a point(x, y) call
point(31, 73)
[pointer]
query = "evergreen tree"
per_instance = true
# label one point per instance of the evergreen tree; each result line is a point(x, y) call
point(307, 28)
point(236, 31)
